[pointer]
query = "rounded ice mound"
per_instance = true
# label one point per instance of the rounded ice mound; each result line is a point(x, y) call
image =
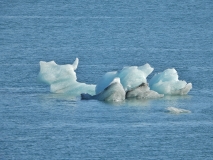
point(113, 92)
point(130, 77)
point(167, 83)
point(62, 78)
point(143, 92)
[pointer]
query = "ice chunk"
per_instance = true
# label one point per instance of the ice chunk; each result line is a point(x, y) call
point(177, 110)
point(133, 76)
point(130, 77)
point(62, 78)
point(167, 83)
point(105, 81)
point(143, 91)
point(114, 92)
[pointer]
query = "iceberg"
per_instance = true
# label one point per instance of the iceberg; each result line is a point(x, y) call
point(130, 82)
point(130, 77)
point(63, 79)
point(114, 92)
point(167, 83)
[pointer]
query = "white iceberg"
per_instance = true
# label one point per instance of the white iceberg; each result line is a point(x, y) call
point(130, 77)
point(167, 83)
point(62, 78)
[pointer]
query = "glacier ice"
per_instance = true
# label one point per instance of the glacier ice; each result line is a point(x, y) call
point(63, 79)
point(130, 77)
point(143, 91)
point(175, 110)
point(167, 83)
point(105, 81)
point(130, 82)
point(113, 92)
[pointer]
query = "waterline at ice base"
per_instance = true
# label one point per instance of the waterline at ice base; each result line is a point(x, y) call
point(129, 82)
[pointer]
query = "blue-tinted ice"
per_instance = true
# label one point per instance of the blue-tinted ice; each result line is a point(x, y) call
point(133, 80)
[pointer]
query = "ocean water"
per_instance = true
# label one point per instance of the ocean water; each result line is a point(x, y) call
point(105, 36)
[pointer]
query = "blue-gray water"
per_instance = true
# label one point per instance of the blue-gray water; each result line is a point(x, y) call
point(105, 36)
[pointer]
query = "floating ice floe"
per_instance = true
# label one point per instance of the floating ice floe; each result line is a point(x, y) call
point(63, 79)
point(167, 83)
point(177, 110)
point(130, 80)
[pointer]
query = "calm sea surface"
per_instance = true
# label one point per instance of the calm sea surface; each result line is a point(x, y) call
point(105, 36)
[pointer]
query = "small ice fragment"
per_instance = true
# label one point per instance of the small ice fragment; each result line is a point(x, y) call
point(177, 110)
